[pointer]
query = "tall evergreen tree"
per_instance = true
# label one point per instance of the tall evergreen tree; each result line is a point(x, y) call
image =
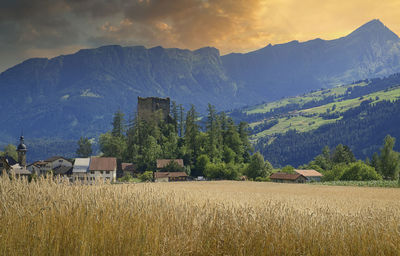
point(191, 134)
point(175, 115)
point(118, 124)
point(84, 147)
point(181, 120)
point(213, 132)
point(244, 137)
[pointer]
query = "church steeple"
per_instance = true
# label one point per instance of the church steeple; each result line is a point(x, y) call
point(21, 149)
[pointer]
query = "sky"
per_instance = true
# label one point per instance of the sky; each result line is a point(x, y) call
point(48, 28)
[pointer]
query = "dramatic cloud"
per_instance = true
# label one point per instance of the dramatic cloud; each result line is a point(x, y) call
point(46, 28)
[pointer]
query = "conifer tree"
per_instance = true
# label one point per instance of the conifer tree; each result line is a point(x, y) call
point(191, 134)
point(181, 120)
point(118, 124)
point(175, 115)
point(84, 147)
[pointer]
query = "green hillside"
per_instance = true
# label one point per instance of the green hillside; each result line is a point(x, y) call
point(318, 95)
point(310, 119)
point(310, 111)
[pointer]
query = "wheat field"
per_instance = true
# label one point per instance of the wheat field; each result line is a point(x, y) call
point(51, 217)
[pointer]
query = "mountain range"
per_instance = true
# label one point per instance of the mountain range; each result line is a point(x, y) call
point(76, 95)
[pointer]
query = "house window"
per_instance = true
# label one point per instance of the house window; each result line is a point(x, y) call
point(101, 172)
point(60, 161)
point(107, 172)
point(91, 172)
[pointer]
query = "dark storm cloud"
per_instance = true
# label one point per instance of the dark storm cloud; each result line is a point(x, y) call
point(47, 28)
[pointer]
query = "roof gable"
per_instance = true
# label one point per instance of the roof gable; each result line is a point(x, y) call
point(54, 158)
point(285, 176)
point(309, 173)
point(128, 167)
point(161, 163)
point(103, 164)
point(81, 165)
point(169, 174)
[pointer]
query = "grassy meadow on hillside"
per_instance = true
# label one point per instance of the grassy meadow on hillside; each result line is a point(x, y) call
point(308, 119)
point(197, 218)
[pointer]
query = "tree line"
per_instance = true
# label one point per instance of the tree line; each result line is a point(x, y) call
point(220, 149)
point(341, 164)
point(362, 128)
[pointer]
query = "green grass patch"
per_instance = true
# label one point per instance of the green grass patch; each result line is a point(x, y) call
point(371, 183)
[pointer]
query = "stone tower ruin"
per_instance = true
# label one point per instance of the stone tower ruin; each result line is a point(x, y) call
point(152, 108)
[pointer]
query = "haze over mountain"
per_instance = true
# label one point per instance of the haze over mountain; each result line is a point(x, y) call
point(294, 68)
point(73, 95)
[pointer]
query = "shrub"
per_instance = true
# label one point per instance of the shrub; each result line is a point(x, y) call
point(360, 171)
point(146, 176)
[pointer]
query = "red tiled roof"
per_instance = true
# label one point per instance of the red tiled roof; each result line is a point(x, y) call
point(285, 176)
point(128, 167)
point(161, 163)
point(169, 174)
point(309, 173)
point(103, 164)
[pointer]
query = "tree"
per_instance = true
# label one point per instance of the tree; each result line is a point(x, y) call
point(84, 147)
point(175, 116)
point(213, 147)
point(112, 146)
point(146, 176)
point(244, 137)
point(151, 152)
point(257, 167)
point(10, 150)
point(343, 154)
point(389, 159)
point(118, 124)
point(360, 171)
point(173, 166)
point(288, 169)
point(201, 164)
point(181, 120)
point(191, 134)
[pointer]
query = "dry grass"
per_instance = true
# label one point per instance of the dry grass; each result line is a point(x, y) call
point(197, 218)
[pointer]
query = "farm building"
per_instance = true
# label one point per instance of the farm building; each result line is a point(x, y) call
point(103, 168)
point(50, 164)
point(6, 162)
point(80, 170)
point(65, 171)
point(287, 177)
point(128, 168)
point(162, 163)
point(170, 176)
point(311, 175)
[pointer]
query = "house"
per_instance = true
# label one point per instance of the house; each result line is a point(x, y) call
point(287, 177)
point(50, 164)
point(162, 163)
point(6, 162)
point(103, 168)
point(80, 169)
point(19, 171)
point(57, 161)
point(37, 167)
point(128, 168)
point(65, 171)
point(170, 176)
point(311, 175)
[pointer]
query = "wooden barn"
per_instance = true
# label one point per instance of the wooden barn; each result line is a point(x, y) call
point(287, 177)
point(170, 176)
